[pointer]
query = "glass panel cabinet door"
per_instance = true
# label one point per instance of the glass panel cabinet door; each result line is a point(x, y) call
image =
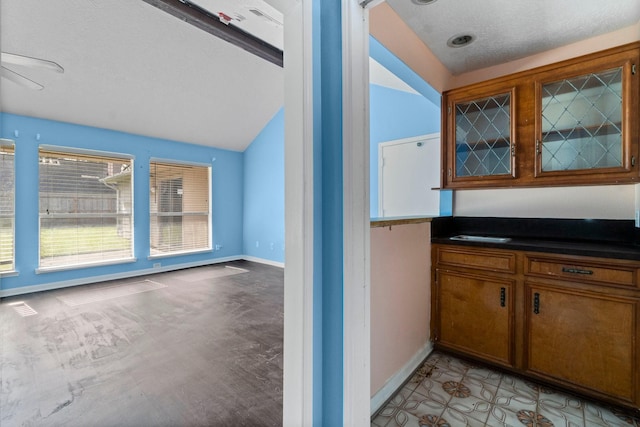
point(483, 137)
point(582, 122)
point(587, 121)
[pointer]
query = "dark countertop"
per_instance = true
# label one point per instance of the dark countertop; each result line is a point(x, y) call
point(618, 239)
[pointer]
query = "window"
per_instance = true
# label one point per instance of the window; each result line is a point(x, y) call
point(180, 209)
point(7, 190)
point(85, 209)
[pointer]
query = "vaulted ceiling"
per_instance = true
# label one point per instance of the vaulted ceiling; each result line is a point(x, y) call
point(131, 67)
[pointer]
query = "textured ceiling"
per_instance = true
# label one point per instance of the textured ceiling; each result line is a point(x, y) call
point(134, 68)
point(506, 30)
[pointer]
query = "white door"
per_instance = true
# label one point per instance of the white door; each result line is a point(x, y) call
point(408, 170)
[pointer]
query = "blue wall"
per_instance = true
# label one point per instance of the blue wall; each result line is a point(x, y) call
point(227, 177)
point(395, 115)
point(264, 193)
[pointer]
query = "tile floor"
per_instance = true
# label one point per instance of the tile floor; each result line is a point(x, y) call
point(449, 392)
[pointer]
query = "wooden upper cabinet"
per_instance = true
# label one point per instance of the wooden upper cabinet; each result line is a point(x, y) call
point(570, 123)
point(482, 132)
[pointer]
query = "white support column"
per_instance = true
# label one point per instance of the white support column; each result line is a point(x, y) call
point(299, 237)
point(355, 81)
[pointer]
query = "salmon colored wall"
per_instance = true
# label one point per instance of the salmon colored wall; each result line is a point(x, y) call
point(386, 26)
point(400, 297)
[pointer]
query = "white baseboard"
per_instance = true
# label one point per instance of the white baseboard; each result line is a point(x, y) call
point(393, 384)
point(103, 278)
point(262, 261)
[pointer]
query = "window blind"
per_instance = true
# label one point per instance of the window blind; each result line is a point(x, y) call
point(180, 208)
point(85, 209)
point(7, 206)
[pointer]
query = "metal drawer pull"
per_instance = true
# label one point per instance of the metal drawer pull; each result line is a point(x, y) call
point(536, 303)
point(503, 297)
point(576, 270)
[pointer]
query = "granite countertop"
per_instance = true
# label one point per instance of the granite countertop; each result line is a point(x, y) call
point(617, 239)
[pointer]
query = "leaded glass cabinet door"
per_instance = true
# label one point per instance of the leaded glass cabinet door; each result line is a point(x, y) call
point(583, 123)
point(483, 132)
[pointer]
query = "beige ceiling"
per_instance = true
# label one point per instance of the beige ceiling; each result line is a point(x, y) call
point(505, 30)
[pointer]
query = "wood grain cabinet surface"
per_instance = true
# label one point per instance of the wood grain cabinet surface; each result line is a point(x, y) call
point(566, 320)
point(570, 123)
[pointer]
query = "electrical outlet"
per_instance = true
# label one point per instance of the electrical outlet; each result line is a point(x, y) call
point(257, 244)
point(218, 247)
point(157, 265)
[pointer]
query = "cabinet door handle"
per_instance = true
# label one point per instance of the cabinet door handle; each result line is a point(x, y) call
point(503, 297)
point(536, 303)
point(576, 270)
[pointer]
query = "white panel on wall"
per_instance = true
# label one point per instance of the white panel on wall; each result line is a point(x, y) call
point(408, 169)
point(596, 202)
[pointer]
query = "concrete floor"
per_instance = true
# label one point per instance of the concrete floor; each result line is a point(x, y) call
point(196, 347)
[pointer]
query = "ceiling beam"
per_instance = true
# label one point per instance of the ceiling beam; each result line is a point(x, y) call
point(203, 19)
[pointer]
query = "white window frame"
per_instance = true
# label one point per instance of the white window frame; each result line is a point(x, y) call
point(209, 247)
point(72, 151)
point(12, 270)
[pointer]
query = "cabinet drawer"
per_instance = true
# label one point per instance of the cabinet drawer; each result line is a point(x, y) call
point(582, 271)
point(478, 258)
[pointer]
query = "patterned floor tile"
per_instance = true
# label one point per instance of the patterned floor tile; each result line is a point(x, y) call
point(562, 419)
point(379, 421)
point(500, 416)
point(484, 375)
point(445, 374)
point(560, 403)
point(514, 394)
point(407, 419)
point(470, 407)
point(388, 412)
point(418, 405)
point(454, 365)
point(480, 389)
point(424, 372)
point(432, 390)
point(601, 416)
point(461, 419)
point(449, 392)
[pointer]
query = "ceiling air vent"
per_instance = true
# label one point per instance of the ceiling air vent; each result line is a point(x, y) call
point(264, 15)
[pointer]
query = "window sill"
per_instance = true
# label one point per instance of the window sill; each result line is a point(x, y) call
point(180, 253)
point(56, 268)
point(9, 273)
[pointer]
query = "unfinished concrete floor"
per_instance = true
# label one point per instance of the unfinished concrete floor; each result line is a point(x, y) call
point(196, 347)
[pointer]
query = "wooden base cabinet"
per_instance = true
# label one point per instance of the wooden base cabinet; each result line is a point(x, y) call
point(585, 339)
point(566, 320)
point(476, 315)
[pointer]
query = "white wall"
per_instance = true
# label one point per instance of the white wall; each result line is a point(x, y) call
point(596, 202)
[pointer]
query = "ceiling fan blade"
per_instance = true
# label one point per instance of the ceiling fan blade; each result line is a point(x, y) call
point(27, 61)
point(20, 79)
